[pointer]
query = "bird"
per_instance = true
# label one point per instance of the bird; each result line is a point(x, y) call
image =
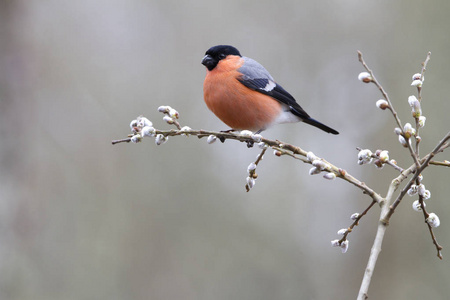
point(243, 94)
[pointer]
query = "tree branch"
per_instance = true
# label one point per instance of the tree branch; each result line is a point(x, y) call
point(142, 127)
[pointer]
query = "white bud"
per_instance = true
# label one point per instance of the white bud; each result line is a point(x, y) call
point(417, 76)
point(398, 131)
point(412, 190)
point(164, 108)
point(354, 216)
point(364, 156)
point(319, 164)
point(417, 83)
point(407, 127)
point(136, 138)
point(420, 177)
point(382, 104)
point(412, 100)
point(133, 124)
point(384, 156)
point(168, 119)
point(251, 167)
point(422, 120)
point(342, 231)
point(415, 105)
point(402, 141)
point(421, 189)
point(311, 157)
point(314, 171)
point(335, 243)
point(251, 182)
point(277, 153)
point(184, 129)
point(262, 145)
point(364, 77)
point(378, 164)
point(416, 206)
point(426, 195)
point(344, 246)
point(329, 176)
point(147, 122)
point(246, 133)
point(433, 220)
point(148, 131)
point(211, 139)
point(409, 130)
point(173, 113)
point(160, 139)
point(257, 138)
point(143, 121)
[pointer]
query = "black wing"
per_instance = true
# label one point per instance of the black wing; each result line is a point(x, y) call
point(256, 77)
point(270, 88)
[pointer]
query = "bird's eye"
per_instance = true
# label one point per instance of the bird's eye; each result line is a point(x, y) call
point(222, 56)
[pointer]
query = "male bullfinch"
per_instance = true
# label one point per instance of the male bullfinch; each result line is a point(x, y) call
point(242, 93)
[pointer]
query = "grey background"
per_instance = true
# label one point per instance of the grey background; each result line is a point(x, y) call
point(81, 219)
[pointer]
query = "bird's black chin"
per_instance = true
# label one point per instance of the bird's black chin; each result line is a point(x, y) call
point(209, 62)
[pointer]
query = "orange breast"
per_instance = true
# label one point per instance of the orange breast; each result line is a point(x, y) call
point(236, 105)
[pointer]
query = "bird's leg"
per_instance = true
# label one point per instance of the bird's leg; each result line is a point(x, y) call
point(221, 138)
point(251, 143)
point(228, 131)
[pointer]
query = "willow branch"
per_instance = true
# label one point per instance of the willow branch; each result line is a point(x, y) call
point(356, 221)
point(444, 163)
point(423, 164)
point(274, 144)
point(383, 92)
point(430, 228)
point(422, 73)
point(391, 107)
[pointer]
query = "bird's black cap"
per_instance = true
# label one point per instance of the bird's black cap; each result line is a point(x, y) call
point(216, 53)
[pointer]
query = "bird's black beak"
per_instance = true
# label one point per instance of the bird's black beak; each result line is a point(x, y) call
point(209, 62)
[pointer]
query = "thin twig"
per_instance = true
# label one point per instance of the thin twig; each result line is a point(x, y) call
point(444, 163)
point(395, 166)
point(419, 97)
point(423, 164)
point(288, 153)
point(252, 173)
point(391, 163)
point(356, 222)
point(275, 144)
point(422, 73)
point(430, 229)
point(383, 92)
point(391, 107)
point(127, 140)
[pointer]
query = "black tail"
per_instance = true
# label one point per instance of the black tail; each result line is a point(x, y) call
point(317, 124)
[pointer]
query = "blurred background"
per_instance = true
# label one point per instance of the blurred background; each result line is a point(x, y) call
point(82, 219)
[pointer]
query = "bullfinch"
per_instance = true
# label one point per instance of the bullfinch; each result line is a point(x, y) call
point(242, 93)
